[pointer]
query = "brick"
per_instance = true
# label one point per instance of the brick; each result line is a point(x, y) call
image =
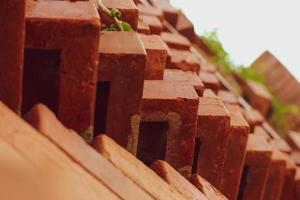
point(150, 11)
point(258, 130)
point(204, 186)
point(254, 118)
point(184, 60)
point(61, 51)
point(143, 27)
point(281, 144)
point(287, 192)
point(41, 118)
point(295, 156)
point(293, 139)
point(228, 97)
point(128, 9)
point(120, 87)
point(208, 67)
point(170, 13)
point(156, 56)
point(256, 168)
point(185, 76)
point(212, 136)
point(176, 41)
point(176, 180)
point(169, 111)
point(154, 24)
point(210, 81)
point(276, 176)
point(134, 169)
point(12, 36)
point(185, 27)
point(235, 155)
point(209, 93)
point(297, 185)
point(258, 96)
point(59, 176)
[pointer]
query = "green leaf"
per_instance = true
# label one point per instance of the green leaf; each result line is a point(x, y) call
point(115, 13)
point(126, 26)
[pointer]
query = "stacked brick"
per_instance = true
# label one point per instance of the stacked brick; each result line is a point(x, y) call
point(161, 122)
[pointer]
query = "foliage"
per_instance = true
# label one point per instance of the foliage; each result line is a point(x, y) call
point(250, 74)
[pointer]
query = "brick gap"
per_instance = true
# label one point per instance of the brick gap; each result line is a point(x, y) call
point(41, 78)
point(152, 141)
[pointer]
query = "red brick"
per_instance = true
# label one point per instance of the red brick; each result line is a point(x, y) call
point(209, 93)
point(184, 60)
point(210, 81)
point(258, 130)
point(122, 66)
point(276, 176)
point(228, 97)
point(150, 11)
point(185, 76)
point(170, 13)
point(174, 105)
point(143, 27)
point(297, 185)
point(204, 186)
point(254, 118)
point(293, 138)
point(212, 136)
point(185, 27)
point(154, 24)
point(282, 145)
point(256, 169)
point(235, 155)
point(63, 37)
point(78, 150)
point(176, 41)
point(287, 192)
point(128, 9)
point(134, 169)
point(58, 175)
point(176, 180)
point(12, 37)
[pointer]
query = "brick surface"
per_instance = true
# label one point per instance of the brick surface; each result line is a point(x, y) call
point(293, 138)
point(78, 150)
point(179, 111)
point(185, 27)
point(228, 97)
point(176, 41)
point(212, 133)
point(254, 118)
point(204, 186)
point(256, 168)
point(58, 176)
point(258, 130)
point(176, 180)
point(150, 10)
point(210, 81)
point(297, 185)
point(154, 24)
point(184, 60)
point(134, 169)
point(61, 51)
point(123, 67)
point(235, 155)
point(156, 57)
point(185, 76)
point(12, 37)
point(287, 192)
point(143, 27)
point(170, 13)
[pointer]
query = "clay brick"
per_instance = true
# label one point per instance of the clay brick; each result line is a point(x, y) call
point(235, 155)
point(170, 13)
point(276, 176)
point(254, 118)
point(169, 111)
point(185, 76)
point(61, 60)
point(185, 27)
point(258, 96)
point(258, 130)
point(150, 11)
point(281, 144)
point(156, 56)
point(60, 176)
point(78, 150)
point(209, 93)
point(154, 24)
point(176, 180)
point(293, 138)
point(228, 97)
point(128, 9)
point(134, 169)
point(143, 27)
point(120, 80)
point(184, 60)
point(176, 41)
point(12, 36)
point(212, 136)
point(256, 168)
point(287, 192)
point(295, 156)
point(210, 81)
point(204, 186)
point(297, 185)
point(208, 67)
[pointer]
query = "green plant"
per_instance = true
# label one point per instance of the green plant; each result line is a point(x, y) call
point(250, 74)
point(114, 14)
